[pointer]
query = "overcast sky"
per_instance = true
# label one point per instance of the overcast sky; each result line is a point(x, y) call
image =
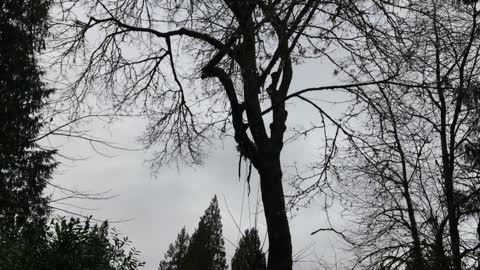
point(158, 207)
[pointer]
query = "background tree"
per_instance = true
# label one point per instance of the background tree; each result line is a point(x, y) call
point(81, 245)
point(206, 249)
point(175, 256)
point(25, 168)
point(249, 254)
point(411, 184)
point(71, 244)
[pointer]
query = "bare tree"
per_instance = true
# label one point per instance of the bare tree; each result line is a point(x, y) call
point(200, 70)
point(411, 174)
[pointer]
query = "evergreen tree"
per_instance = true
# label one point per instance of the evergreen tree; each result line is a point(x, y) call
point(175, 256)
point(249, 255)
point(24, 166)
point(206, 250)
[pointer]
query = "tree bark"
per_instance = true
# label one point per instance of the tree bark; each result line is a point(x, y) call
point(280, 247)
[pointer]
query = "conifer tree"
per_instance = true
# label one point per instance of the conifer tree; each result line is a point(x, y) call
point(24, 166)
point(249, 255)
point(175, 256)
point(206, 250)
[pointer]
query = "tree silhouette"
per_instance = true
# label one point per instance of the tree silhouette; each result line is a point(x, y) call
point(412, 174)
point(206, 249)
point(175, 256)
point(237, 57)
point(249, 255)
point(71, 244)
point(79, 245)
point(25, 168)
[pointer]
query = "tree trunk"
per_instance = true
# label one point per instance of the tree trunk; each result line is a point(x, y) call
point(448, 168)
point(265, 152)
point(453, 222)
point(417, 249)
point(280, 247)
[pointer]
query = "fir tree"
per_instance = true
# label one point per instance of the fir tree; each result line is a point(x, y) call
point(249, 255)
point(24, 167)
point(175, 256)
point(206, 250)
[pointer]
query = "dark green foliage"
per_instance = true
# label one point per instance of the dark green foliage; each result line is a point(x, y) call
point(24, 167)
point(78, 246)
point(73, 245)
point(249, 255)
point(206, 250)
point(175, 256)
point(22, 251)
